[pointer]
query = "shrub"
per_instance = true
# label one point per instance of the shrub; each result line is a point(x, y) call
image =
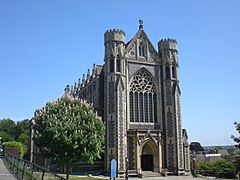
point(220, 168)
point(15, 144)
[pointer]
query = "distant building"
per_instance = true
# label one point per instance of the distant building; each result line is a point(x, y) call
point(137, 93)
point(196, 147)
point(223, 152)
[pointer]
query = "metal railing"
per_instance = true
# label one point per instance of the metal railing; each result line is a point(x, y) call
point(26, 170)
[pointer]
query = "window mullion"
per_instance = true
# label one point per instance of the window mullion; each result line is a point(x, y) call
point(133, 94)
point(138, 108)
point(143, 107)
point(153, 113)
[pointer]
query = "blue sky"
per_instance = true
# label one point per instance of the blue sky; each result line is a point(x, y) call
point(45, 45)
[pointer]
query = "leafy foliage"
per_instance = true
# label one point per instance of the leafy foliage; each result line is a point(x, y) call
point(237, 139)
point(68, 131)
point(219, 168)
point(22, 129)
point(8, 126)
point(5, 136)
point(15, 131)
point(18, 145)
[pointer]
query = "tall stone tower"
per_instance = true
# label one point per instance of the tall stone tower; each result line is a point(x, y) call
point(115, 99)
point(173, 148)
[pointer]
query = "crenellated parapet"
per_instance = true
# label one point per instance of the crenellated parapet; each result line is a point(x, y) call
point(114, 35)
point(167, 44)
point(167, 49)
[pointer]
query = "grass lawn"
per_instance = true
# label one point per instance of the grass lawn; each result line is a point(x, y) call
point(84, 178)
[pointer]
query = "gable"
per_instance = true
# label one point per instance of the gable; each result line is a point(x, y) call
point(140, 48)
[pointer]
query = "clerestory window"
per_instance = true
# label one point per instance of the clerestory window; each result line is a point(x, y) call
point(143, 98)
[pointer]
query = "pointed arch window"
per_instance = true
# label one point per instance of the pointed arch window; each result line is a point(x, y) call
point(111, 63)
point(118, 63)
point(131, 106)
point(168, 75)
point(143, 98)
point(141, 49)
point(173, 71)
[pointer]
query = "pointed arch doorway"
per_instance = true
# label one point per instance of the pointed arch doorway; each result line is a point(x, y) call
point(147, 157)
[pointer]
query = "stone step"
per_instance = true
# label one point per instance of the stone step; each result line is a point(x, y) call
point(150, 174)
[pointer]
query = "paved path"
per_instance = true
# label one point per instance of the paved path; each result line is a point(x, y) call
point(166, 178)
point(4, 173)
point(174, 178)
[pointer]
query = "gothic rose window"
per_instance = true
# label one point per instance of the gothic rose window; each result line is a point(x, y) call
point(143, 98)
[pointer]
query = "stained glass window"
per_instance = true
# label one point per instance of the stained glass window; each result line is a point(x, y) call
point(131, 106)
point(145, 107)
point(155, 107)
point(141, 106)
point(136, 117)
point(150, 107)
point(143, 98)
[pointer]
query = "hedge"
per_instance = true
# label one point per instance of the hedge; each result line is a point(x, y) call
point(18, 145)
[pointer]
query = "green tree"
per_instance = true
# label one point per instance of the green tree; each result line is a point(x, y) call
point(22, 133)
point(8, 125)
point(235, 138)
point(220, 168)
point(69, 131)
point(5, 136)
point(22, 127)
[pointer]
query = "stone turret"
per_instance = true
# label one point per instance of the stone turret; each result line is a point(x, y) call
point(167, 44)
point(114, 41)
point(115, 101)
point(167, 49)
point(114, 35)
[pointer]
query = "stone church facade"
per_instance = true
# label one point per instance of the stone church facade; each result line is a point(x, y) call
point(137, 93)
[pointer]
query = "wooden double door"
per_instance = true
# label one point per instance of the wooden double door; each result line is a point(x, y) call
point(147, 162)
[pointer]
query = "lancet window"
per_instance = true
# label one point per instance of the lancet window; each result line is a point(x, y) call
point(143, 98)
point(173, 71)
point(168, 75)
point(111, 63)
point(141, 49)
point(118, 63)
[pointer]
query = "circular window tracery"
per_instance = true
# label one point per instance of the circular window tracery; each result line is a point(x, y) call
point(142, 82)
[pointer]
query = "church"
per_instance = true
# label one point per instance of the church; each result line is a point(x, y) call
point(137, 93)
